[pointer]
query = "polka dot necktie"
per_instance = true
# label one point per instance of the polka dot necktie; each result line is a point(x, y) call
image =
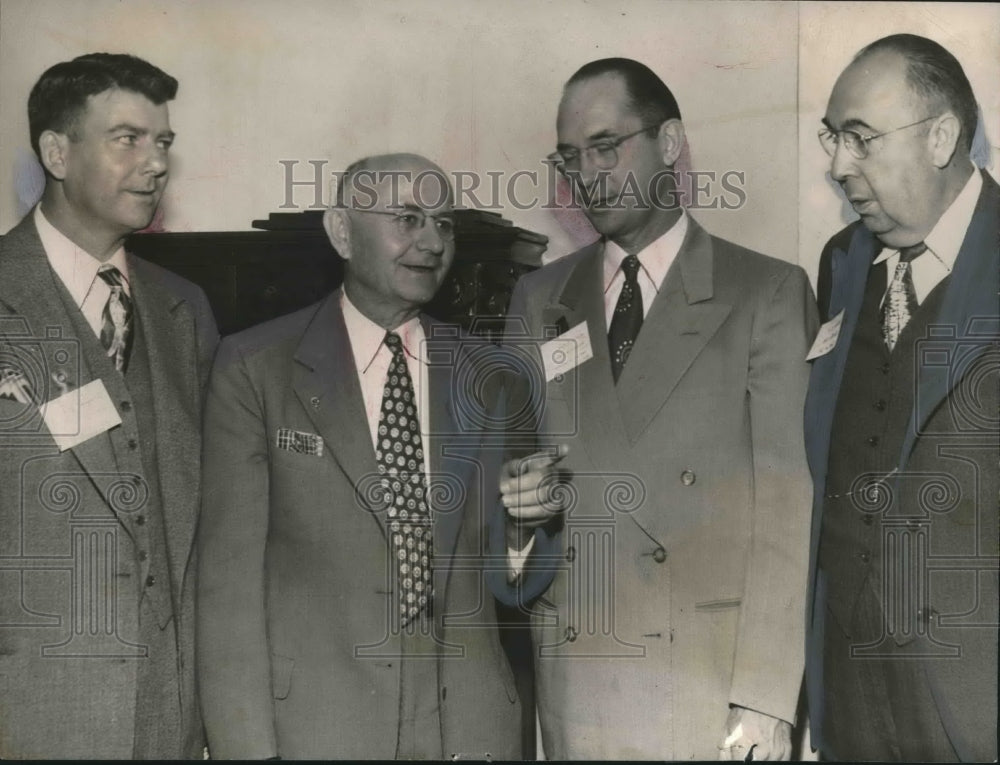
point(400, 457)
point(900, 299)
point(116, 320)
point(627, 318)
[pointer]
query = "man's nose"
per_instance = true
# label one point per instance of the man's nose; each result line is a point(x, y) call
point(429, 239)
point(155, 162)
point(842, 163)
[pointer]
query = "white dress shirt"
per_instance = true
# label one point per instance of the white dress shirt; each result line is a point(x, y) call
point(77, 270)
point(372, 358)
point(654, 262)
point(944, 241)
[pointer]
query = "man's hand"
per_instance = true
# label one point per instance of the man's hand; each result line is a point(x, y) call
point(770, 737)
point(529, 488)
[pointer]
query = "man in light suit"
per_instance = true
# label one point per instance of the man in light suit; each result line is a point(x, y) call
point(103, 358)
point(342, 605)
point(672, 628)
point(901, 421)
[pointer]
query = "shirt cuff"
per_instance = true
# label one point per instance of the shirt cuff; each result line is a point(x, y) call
point(516, 560)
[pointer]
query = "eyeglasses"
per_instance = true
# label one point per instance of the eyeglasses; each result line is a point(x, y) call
point(410, 223)
point(856, 143)
point(602, 154)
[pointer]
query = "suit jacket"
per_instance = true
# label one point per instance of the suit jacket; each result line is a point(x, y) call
point(296, 657)
point(952, 432)
point(680, 569)
point(69, 573)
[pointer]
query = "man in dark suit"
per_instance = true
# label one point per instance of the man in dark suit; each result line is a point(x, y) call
point(102, 363)
point(901, 421)
point(342, 607)
point(672, 628)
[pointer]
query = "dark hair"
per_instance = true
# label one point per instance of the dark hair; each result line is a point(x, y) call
point(59, 97)
point(935, 74)
point(648, 96)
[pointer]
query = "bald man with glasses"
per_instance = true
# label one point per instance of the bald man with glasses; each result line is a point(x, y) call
point(901, 421)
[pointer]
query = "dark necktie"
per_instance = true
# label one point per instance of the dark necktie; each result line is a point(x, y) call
point(627, 318)
point(116, 325)
point(400, 456)
point(900, 299)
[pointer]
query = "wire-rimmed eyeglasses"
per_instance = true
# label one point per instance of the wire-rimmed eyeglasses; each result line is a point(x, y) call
point(410, 222)
point(602, 154)
point(856, 143)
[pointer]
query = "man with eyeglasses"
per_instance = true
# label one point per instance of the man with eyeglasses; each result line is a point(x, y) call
point(342, 611)
point(901, 421)
point(668, 599)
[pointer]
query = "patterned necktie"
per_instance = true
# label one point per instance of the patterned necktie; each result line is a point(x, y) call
point(400, 456)
point(901, 299)
point(116, 326)
point(627, 318)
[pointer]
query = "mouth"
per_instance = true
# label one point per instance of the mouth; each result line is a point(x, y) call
point(420, 268)
point(147, 195)
point(862, 205)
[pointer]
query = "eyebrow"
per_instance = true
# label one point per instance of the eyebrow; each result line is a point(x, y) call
point(851, 124)
point(602, 135)
point(125, 126)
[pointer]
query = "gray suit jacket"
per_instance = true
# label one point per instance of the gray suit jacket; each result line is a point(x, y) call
point(296, 656)
point(680, 571)
point(69, 575)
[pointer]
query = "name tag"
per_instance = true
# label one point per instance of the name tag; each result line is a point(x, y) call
point(826, 338)
point(567, 351)
point(79, 415)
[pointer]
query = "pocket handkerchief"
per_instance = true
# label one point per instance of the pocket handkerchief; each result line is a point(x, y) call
point(302, 443)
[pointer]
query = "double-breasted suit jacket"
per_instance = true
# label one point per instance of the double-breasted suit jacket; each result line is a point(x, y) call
point(941, 486)
point(296, 654)
point(76, 554)
point(680, 568)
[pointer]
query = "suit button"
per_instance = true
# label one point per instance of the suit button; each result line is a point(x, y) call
point(659, 555)
point(150, 580)
point(143, 555)
point(126, 406)
point(880, 405)
point(140, 520)
point(884, 369)
point(873, 441)
point(571, 634)
point(865, 556)
point(688, 477)
point(571, 553)
point(867, 519)
point(133, 444)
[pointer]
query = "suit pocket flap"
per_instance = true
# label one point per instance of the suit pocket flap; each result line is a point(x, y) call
point(281, 675)
point(717, 605)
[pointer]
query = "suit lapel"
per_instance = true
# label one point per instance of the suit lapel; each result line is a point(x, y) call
point(967, 323)
point(679, 324)
point(30, 288)
point(325, 381)
point(169, 333)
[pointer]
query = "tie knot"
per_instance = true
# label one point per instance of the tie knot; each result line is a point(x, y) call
point(630, 266)
point(906, 254)
point(111, 275)
point(393, 341)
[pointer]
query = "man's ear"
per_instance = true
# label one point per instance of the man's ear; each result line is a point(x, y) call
point(338, 229)
point(53, 149)
point(942, 139)
point(671, 139)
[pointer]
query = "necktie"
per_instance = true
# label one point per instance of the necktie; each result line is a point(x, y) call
point(116, 327)
point(400, 457)
point(901, 299)
point(627, 318)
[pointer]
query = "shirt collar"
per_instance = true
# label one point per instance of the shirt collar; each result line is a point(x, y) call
point(655, 259)
point(76, 268)
point(367, 337)
point(945, 239)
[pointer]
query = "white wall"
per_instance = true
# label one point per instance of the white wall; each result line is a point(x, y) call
point(473, 85)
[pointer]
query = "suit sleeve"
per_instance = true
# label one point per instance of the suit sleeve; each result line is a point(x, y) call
point(520, 435)
point(770, 650)
point(233, 658)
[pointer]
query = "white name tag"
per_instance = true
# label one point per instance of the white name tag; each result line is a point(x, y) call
point(567, 351)
point(79, 415)
point(826, 339)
